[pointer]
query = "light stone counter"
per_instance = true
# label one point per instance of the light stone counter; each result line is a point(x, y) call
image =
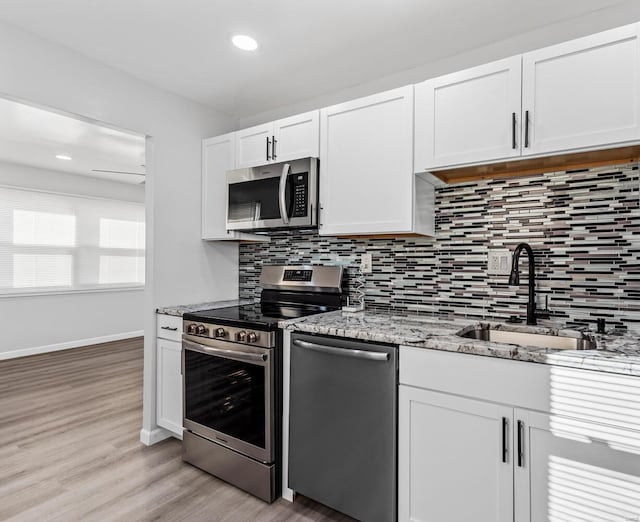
point(180, 310)
point(615, 353)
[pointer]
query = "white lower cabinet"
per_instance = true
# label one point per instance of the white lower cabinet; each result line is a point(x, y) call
point(451, 464)
point(565, 476)
point(170, 386)
point(169, 375)
point(535, 443)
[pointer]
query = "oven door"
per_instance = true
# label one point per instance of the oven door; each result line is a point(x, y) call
point(227, 394)
point(281, 195)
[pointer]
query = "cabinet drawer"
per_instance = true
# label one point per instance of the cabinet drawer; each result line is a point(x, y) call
point(501, 381)
point(169, 327)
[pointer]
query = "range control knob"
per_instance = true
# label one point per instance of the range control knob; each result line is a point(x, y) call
point(191, 329)
point(241, 336)
point(220, 332)
point(200, 330)
point(252, 337)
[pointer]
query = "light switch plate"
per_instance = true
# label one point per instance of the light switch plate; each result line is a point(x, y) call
point(366, 263)
point(499, 262)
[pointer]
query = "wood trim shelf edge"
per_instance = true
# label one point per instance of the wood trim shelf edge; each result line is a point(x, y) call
point(529, 167)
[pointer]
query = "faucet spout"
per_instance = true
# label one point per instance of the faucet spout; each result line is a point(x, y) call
point(514, 279)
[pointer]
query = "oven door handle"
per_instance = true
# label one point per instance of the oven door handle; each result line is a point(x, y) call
point(229, 354)
point(345, 352)
point(283, 189)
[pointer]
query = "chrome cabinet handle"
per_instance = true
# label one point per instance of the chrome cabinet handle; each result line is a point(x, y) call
point(273, 147)
point(268, 145)
point(513, 130)
point(520, 444)
point(283, 189)
point(505, 430)
point(170, 328)
point(345, 352)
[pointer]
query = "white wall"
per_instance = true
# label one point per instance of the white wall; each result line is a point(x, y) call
point(42, 323)
point(67, 183)
point(68, 320)
point(624, 13)
point(180, 267)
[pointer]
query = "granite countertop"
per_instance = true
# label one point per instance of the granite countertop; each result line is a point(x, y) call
point(180, 310)
point(615, 353)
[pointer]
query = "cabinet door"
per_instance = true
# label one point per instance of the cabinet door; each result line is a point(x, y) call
point(366, 169)
point(583, 93)
point(297, 137)
point(253, 146)
point(218, 156)
point(451, 461)
point(469, 116)
point(169, 394)
point(567, 473)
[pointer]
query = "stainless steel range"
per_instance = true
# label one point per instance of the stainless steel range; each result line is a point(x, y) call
point(232, 377)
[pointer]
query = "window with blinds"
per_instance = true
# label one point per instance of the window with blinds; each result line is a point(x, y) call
point(53, 242)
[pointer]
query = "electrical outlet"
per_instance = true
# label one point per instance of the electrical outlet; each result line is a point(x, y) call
point(498, 262)
point(366, 263)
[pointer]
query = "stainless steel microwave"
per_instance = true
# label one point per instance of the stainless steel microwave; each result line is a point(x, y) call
point(275, 196)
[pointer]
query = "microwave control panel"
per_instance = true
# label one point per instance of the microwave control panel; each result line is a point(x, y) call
point(300, 186)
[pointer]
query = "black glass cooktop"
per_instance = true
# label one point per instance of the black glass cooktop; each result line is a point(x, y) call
point(263, 316)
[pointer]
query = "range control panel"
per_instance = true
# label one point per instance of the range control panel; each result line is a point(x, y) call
point(297, 275)
point(229, 333)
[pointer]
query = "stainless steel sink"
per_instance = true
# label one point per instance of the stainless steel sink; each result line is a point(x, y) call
point(554, 342)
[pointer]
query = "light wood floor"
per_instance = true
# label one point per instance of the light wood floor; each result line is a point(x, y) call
point(70, 449)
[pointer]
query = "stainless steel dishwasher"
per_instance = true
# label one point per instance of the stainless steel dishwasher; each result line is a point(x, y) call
point(342, 427)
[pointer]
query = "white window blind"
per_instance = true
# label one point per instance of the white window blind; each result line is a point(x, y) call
point(54, 242)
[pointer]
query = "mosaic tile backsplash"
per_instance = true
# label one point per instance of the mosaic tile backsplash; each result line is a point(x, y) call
point(584, 228)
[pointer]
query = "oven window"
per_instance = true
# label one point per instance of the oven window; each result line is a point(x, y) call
point(225, 395)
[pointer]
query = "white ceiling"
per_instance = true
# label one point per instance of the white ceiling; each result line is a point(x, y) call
point(33, 136)
point(308, 48)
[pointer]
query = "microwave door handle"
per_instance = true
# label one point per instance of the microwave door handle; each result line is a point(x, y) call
point(283, 188)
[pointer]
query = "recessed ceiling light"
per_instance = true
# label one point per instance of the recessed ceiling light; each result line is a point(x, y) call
point(244, 42)
point(63, 157)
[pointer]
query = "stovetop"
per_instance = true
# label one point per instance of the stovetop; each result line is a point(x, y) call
point(262, 316)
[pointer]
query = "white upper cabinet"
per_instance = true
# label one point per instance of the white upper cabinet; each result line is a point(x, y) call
point(366, 167)
point(287, 139)
point(296, 137)
point(218, 156)
point(253, 146)
point(576, 96)
point(469, 116)
point(583, 93)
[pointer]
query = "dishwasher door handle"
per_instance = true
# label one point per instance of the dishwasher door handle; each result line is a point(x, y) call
point(345, 352)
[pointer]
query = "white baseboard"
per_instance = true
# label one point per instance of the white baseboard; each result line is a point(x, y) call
point(288, 494)
point(151, 437)
point(69, 344)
